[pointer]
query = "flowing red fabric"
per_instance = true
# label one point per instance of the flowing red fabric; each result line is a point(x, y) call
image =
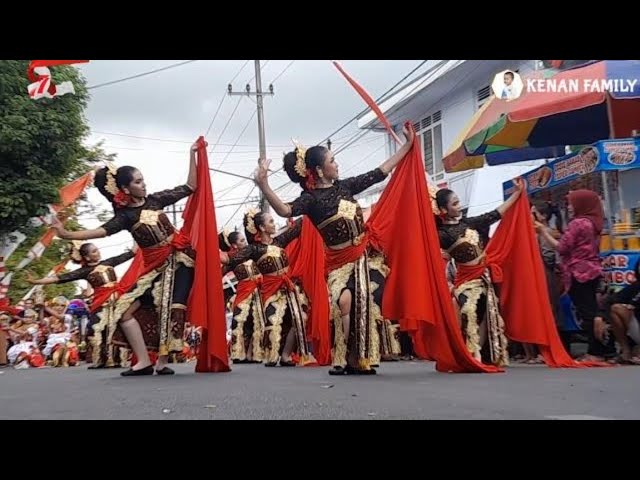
point(416, 290)
point(513, 257)
point(337, 258)
point(101, 295)
point(244, 290)
point(145, 260)
point(272, 283)
point(206, 302)
point(306, 261)
point(367, 98)
point(128, 280)
point(206, 306)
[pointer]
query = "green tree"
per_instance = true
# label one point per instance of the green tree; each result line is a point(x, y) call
point(58, 251)
point(40, 143)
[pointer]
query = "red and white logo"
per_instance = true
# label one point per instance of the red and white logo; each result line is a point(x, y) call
point(42, 85)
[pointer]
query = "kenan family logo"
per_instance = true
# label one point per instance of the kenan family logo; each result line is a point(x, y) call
point(507, 85)
point(42, 85)
point(581, 85)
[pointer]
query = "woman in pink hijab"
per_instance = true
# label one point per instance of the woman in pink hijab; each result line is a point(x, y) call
point(579, 249)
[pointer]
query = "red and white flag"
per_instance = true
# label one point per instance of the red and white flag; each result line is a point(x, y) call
point(42, 85)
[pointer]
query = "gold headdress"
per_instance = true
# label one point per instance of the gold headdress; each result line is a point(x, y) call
point(75, 251)
point(301, 166)
point(432, 195)
point(250, 224)
point(111, 185)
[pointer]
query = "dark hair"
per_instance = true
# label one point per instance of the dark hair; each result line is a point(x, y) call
point(510, 73)
point(124, 176)
point(231, 238)
point(313, 158)
point(258, 221)
point(83, 251)
point(442, 197)
point(544, 209)
point(548, 211)
point(442, 201)
point(234, 237)
point(289, 165)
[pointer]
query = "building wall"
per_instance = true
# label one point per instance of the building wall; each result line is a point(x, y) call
point(473, 187)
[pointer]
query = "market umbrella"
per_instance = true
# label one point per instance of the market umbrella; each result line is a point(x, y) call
point(591, 103)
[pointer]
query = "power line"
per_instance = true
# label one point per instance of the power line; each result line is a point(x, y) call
point(239, 137)
point(351, 142)
point(282, 72)
point(190, 142)
point(254, 75)
point(239, 71)
point(365, 158)
point(243, 202)
point(380, 98)
point(142, 138)
point(227, 125)
point(240, 206)
point(215, 115)
point(224, 191)
point(112, 82)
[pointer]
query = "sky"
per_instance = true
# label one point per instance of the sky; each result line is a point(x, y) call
point(170, 109)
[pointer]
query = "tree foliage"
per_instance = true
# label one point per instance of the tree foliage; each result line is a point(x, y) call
point(40, 143)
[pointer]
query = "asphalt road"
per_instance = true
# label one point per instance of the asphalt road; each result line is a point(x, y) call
point(404, 390)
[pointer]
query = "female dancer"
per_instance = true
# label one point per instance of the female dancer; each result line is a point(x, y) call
point(248, 317)
point(168, 261)
point(283, 299)
point(477, 298)
point(100, 274)
point(355, 284)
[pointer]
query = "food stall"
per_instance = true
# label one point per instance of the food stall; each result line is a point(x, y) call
point(612, 169)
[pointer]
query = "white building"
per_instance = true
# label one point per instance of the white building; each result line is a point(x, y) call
point(440, 103)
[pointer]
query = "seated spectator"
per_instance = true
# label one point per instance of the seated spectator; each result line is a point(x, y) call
point(4, 339)
point(25, 353)
point(621, 311)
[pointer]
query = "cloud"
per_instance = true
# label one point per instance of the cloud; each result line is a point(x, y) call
point(311, 100)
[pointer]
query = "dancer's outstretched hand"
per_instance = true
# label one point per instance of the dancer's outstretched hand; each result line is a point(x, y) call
point(261, 177)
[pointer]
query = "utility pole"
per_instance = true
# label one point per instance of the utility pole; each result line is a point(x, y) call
point(175, 210)
point(264, 206)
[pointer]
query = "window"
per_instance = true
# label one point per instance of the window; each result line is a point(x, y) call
point(429, 131)
point(482, 96)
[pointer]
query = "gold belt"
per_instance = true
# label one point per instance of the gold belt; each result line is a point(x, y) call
point(163, 243)
point(474, 262)
point(250, 277)
point(353, 242)
point(282, 271)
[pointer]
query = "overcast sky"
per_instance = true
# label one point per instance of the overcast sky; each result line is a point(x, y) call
point(177, 105)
